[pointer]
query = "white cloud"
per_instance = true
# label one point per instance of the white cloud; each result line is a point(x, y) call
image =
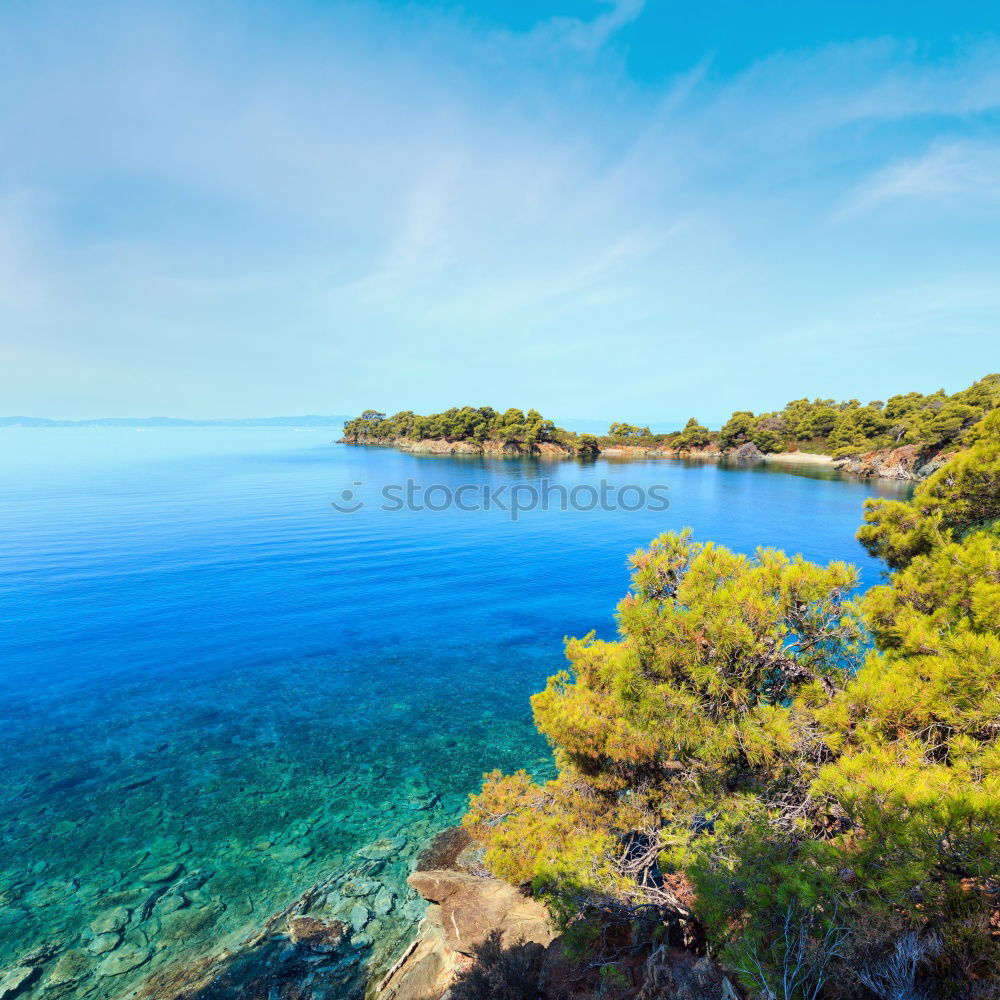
point(589, 36)
point(966, 172)
point(218, 221)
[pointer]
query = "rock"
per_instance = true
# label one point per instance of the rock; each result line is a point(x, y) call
point(361, 941)
point(165, 873)
point(71, 966)
point(103, 943)
point(728, 990)
point(384, 901)
point(749, 452)
point(14, 981)
point(135, 938)
point(442, 852)
point(291, 852)
point(471, 907)
point(676, 973)
point(359, 916)
point(315, 935)
point(425, 969)
point(381, 849)
point(192, 882)
point(169, 904)
point(111, 921)
point(182, 924)
point(122, 961)
point(127, 897)
point(360, 887)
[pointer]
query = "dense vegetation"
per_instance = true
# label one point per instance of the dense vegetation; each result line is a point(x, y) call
point(824, 426)
point(820, 771)
point(466, 423)
point(933, 422)
point(847, 428)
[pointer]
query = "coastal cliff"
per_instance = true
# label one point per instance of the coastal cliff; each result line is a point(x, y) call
point(909, 462)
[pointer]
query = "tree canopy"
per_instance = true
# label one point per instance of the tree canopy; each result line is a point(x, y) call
point(466, 423)
point(822, 768)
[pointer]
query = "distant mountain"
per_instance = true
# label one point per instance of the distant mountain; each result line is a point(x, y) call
point(309, 420)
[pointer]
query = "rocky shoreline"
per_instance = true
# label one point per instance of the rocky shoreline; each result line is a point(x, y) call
point(322, 946)
point(909, 463)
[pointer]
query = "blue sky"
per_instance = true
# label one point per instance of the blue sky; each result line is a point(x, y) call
point(627, 210)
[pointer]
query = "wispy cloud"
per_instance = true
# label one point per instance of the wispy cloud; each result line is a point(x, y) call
point(966, 174)
point(208, 212)
point(590, 35)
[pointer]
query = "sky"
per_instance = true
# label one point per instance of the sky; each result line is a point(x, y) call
point(630, 210)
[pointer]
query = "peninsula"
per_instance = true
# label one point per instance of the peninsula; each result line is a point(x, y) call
point(908, 436)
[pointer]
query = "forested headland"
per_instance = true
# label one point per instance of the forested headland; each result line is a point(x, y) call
point(927, 424)
point(765, 768)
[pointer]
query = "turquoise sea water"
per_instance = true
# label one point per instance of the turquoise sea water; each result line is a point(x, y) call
point(216, 688)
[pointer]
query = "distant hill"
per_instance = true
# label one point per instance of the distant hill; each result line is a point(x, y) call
point(309, 420)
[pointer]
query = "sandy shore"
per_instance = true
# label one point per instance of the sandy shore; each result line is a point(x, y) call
point(799, 458)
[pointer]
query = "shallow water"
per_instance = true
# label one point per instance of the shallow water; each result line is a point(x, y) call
point(215, 688)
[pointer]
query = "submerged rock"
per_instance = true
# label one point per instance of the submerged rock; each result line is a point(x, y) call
point(103, 943)
point(165, 873)
point(71, 966)
point(379, 850)
point(291, 852)
point(183, 924)
point(111, 921)
point(359, 916)
point(360, 887)
point(122, 961)
point(315, 935)
point(384, 901)
point(14, 981)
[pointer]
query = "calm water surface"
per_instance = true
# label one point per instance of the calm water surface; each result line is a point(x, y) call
point(216, 688)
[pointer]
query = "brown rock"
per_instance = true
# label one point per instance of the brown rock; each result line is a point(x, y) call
point(442, 853)
point(315, 935)
point(470, 907)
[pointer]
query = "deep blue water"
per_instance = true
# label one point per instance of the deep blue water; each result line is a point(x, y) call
point(204, 664)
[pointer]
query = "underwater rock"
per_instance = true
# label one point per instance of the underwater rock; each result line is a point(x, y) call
point(384, 901)
point(315, 935)
point(165, 873)
point(122, 961)
point(360, 941)
point(136, 859)
point(193, 881)
point(53, 892)
point(183, 924)
point(359, 916)
point(13, 981)
point(383, 848)
point(128, 897)
point(291, 852)
point(103, 943)
point(111, 921)
point(170, 903)
point(71, 966)
point(360, 887)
